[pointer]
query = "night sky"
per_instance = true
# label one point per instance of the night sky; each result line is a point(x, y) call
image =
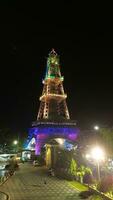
point(86, 64)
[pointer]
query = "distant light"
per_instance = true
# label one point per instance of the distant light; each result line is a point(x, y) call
point(96, 127)
point(15, 142)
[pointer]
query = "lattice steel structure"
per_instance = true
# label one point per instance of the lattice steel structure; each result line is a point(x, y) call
point(53, 100)
point(53, 120)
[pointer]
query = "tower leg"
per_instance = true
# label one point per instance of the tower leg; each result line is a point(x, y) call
point(37, 149)
point(40, 141)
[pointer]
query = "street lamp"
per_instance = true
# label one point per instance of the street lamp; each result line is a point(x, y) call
point(15, 142)
point(98, 155)
point(96, 128)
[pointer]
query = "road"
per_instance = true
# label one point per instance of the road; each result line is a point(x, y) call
point(33, 183)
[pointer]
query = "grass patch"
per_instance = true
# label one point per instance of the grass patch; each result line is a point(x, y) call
point(78, 186)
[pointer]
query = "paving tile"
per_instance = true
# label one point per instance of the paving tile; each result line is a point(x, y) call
point(28, 184)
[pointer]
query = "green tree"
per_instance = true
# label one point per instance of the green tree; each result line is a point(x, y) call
point(73, 168)
point(106, 138)
point(80, 173)
point(82, 170)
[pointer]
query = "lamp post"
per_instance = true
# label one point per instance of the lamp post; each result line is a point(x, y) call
point(96, 128)
point(15, 142)
point(98, 155)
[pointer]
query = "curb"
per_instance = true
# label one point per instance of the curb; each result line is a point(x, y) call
point(5, 180)
point(7, 196)
point(101, 194)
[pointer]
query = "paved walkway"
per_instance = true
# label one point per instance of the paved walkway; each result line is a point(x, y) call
point(32, 183)
point(3, 196)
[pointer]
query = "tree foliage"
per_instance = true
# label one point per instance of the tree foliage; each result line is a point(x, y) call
point(106, 138)
point(82, 172)
point(73, 168)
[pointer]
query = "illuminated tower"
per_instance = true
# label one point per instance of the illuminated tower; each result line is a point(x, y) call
point(53, 100)
point(53, 120)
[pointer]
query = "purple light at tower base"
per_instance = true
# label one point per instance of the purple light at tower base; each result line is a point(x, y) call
point(72, 136)
point(37, 149)
point(44, 134)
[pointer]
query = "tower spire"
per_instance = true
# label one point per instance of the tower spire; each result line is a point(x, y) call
point(53, 52)
point(53, 66)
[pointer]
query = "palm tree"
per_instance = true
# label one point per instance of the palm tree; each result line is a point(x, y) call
point(82, 170)
point(80, 173)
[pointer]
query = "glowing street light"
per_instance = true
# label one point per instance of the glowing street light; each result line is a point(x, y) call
point(98, 155)
point(15, 142)
point(96, 128)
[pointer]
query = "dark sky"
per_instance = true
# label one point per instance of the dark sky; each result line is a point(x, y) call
point(27, 36)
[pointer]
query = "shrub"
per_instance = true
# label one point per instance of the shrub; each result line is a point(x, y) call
point(73, 168)
point(88, 178)
point(85, 194)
